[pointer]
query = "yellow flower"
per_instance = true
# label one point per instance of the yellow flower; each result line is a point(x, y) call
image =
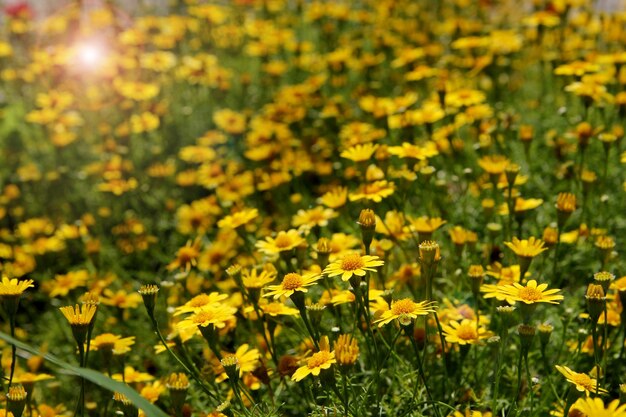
point(346, 350)
point(13, 287)
point(529, 294)
point(594, 407)
point(494, 164)
point(526, 248)
point(582, 382)
point(405, 311)
point(291, 283)
point(374, 191)
point(200, 301)
point(214, 314)
point(132, 376)
point(319, 361)
point(352, 264)
point(230, 121)
point(284, 241)
point(121, 299)
point(238, 219)
point(256, 280)
point(410, 150)
point(360, 153)
point(465, 332)
point(79, 315)
point(276, 309)
point(186, 257)
point(247, 360)
point(317, 216)
point(117, 344)
point(335, 197)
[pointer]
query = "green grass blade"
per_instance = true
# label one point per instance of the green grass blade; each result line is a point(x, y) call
point(96, 377)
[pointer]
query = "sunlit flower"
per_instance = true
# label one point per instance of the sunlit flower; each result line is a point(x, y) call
point(353, 264)
point(405, 311)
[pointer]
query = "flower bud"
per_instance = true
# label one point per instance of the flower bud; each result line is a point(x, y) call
point(596, 301)
point(178, 384)
point(149, 294)
point(16, 400)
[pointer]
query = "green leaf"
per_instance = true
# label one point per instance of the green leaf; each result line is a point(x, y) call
point(96, 377)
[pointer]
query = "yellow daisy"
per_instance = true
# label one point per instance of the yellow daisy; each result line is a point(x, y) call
point(529, 294)
point(465, 332)
point(291, 283)
point(405, 310)
point(284, 241)
point(319, 361)
point(352, 264)
point(582, 382)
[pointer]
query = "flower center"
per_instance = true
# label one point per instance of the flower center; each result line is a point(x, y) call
point(186, 254)
point(318, 359)
point(584, 381)
point(203, 317)
point(352, 262)
point(529, 294)
point(466, 332)
point(283, 241)
point(292, 281)
point(199, 300)
point(400, 307)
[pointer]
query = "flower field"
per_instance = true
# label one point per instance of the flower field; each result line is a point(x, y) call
point(303, 208)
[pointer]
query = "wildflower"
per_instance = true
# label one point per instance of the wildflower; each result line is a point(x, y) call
point(16, 400)
point(353, 264)
point(526, 250)
point(565, 206)
point(318, 216)
point(466, 332)
point(186, 257)
point(375, 191)
point(291, 283)
point(276, 309)
point(148, 294)
point(178, 384)
point(127, 407)
point(284, 241)
point(359, 153)
point(214, 315)
point(604, 278)
point(405, 311)
point(200, 301)
point(582, 382)
point(529, 294)
point(346, 351)
point(112, 343)
point(592, 407)
point(596, 301)
point(425, 226)
point(10, 292)
point(238, 219)
point(316, 363)
point(80, 319)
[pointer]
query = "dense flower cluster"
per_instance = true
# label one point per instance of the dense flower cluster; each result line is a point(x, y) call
point(388, 207)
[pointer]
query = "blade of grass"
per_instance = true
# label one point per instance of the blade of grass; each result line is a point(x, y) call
point(93, 376)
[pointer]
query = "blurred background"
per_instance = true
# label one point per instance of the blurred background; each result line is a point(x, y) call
point(46, 7)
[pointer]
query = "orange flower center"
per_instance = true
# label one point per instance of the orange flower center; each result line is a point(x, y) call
point(352, 262)
point(318, 359)
point(530, 294)
point(466, 332)
point(584, 381)
point(203, 316)
point(283, 241)
point(186, 254)
point(199, 300)
point(292, 281)
point(400, 307)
